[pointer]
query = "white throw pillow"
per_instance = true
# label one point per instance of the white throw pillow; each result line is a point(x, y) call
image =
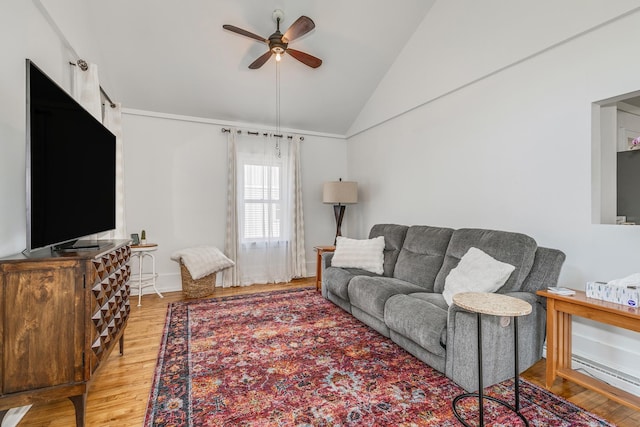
point(476, 272)
point(364, 254)
point(202, 261)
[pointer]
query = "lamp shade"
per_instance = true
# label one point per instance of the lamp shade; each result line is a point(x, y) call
point(340, 192)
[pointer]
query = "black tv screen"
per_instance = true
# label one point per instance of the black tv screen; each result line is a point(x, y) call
point(71, 167)
point(628, 181)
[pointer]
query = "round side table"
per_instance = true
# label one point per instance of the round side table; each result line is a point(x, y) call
point(493, 305)
point(143, 251)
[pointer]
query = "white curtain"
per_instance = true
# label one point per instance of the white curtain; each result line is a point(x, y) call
point(113, 121)
point(265, 210)
point(297, 217)
point(231, 275)
point(86, 89)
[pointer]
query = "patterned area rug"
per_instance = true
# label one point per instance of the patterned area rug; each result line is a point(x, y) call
point(295, 359)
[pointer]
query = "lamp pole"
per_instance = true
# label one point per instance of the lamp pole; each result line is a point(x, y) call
point(338, 211)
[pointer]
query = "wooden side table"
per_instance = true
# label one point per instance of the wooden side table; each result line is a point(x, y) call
point(560, 310)
point(320, 250)
point(494, 305)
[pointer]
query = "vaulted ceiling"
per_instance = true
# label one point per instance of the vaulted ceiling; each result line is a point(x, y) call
point(173, 56)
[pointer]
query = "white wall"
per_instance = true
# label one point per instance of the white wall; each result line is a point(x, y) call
point(176, 184)
point(511, 151)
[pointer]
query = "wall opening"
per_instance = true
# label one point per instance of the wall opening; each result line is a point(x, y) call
point(615, 124)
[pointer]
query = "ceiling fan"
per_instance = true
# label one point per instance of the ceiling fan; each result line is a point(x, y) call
point(278, 43)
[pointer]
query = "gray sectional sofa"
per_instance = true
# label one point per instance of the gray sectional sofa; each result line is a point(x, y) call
point(406, 304)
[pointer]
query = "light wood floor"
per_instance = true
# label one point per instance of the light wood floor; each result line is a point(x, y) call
point(120, 389)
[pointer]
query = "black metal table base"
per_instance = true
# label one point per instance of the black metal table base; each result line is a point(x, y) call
point(494, 399)
point(480, 395)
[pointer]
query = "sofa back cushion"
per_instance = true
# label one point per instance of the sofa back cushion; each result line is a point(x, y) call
point(422, 255)
point(516, 249)
point(393, 238)
point(545, 272)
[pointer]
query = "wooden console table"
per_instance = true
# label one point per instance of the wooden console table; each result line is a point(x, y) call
point(320, 250)
point(559, 311)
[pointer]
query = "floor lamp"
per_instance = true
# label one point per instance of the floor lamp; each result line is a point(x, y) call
point(339, 193)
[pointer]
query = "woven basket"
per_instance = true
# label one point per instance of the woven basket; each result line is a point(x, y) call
point(196, 288)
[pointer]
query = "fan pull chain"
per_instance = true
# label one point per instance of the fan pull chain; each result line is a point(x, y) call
point(278, 152)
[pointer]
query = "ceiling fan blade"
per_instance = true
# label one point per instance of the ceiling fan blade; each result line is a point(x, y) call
point(260, 61)
point(305, 58)
point(244, 32)
point(302, 26)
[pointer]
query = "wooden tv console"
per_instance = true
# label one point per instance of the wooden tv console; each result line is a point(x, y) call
point(61, 314)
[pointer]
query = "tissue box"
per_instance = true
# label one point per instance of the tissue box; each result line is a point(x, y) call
point(620, 294)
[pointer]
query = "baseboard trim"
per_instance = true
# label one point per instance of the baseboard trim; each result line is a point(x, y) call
point(170, 282)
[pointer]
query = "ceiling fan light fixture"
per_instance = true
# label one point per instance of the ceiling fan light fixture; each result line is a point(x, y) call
point(278, 43)
point(278, 49)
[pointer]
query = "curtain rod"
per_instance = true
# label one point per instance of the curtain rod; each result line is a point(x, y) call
point(225, 130)
point(84, 67)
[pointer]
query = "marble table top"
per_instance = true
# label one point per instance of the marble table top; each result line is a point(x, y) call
point(493, 304)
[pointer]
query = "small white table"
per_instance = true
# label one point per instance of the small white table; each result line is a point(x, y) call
point(149, 278)
point(494, 305)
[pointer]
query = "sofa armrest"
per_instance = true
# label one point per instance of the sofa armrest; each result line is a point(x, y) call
point(325, 263)
point(326, 259)
point(497, 344)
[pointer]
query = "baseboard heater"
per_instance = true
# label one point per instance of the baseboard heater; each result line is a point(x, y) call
point(604, 373)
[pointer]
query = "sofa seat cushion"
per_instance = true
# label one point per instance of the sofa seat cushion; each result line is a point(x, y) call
point(337, 279)
point(370, 294)
point(414, 317)
point(437, 300)
point(433, 298)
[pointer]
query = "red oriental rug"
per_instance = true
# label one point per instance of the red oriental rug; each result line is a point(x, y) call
point(294, 359)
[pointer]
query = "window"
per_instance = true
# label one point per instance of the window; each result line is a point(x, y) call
point(262, 201)
point(264, 218)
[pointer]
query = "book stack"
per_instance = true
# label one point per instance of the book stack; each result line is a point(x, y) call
point(561, 291)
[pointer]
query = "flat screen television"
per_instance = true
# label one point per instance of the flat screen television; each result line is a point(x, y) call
point(628, 181)
point(71, 168)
